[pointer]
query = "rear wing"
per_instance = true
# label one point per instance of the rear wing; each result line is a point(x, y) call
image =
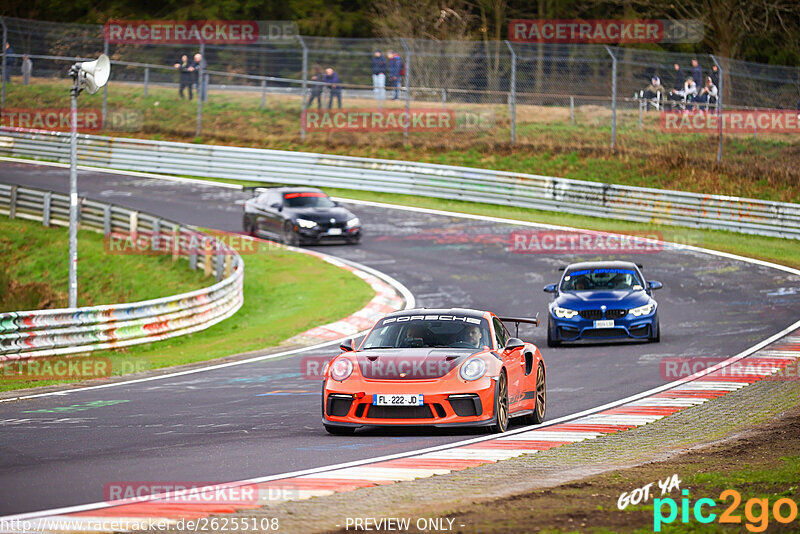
point(518, 320)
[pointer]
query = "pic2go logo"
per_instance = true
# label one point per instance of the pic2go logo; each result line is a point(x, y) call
point(756, 511)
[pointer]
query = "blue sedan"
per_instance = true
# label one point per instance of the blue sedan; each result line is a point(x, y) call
point(602, 300)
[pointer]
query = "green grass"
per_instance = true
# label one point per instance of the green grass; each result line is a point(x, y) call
point(285, 293)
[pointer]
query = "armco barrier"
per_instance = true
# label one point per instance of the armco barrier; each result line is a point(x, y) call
point(66, 331)
point(779, 219)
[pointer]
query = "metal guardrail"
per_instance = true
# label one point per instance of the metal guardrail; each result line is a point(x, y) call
point(646, 205)
point(28, 334)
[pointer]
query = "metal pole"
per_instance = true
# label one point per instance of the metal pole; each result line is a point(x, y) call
point(444, 98)
point(719, 107)
point(105, 87)
point(572, 110)
point(613, 97)
point(73, 196)
point(640, 113)
point(512, 104)
point(263, 94)
point(146, 79)
point(5, 66)
point(305, 87)
point(408, 89)
point(755, 123)
point(200, 81)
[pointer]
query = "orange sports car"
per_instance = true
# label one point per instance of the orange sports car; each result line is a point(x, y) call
point(438, 367)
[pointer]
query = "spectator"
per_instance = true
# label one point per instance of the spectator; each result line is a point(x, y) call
point(199, 65)
point(697, 72)
point(10, 61)
point(654, 89)
point(688, 92)
point(379, 75)
point(715, 74)
point(332, 79)
point(677, 82)
point(708, 94)
point(316, 89)
point(187, 76)
point(27, 69)
point(397, 70)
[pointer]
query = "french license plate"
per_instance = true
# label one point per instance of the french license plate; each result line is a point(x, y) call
point(397, 400)
point(608, 323)
point(334, 231)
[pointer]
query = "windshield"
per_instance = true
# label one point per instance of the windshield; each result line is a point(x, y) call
point(601, 279)
point(308, 199)
point(441, 331)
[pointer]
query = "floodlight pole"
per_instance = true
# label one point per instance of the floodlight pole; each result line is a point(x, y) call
point(73, 187)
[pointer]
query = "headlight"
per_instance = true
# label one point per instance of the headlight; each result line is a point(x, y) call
point(353, 222)
point(647, 309)
point(564, 313)
point(341, 369)
point(473, 369)
point(304, 223)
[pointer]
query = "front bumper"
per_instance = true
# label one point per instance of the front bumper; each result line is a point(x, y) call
point(578, 328)
point(456, 404)
point(318, 235)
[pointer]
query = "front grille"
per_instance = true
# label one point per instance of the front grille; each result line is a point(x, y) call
point(592, 314)
point(598, 314)
point(400, 412)
point(616, 314)
point(360, 409)
point(338, 406)
point(466, 406)
point(326, 225)
point(603, 332)
point(641, 331)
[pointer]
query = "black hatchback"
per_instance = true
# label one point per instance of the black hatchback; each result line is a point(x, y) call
point(298, 215)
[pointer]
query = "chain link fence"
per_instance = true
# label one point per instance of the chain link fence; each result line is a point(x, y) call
point(564, 97)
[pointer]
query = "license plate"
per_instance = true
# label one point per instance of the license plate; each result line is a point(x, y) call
point(334, 231)
point(397, 400)
point(609, 323)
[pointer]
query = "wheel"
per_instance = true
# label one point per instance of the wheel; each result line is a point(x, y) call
point(540, 407)
point(657, 337)
point(338, 430)
point(501, 405)
point(550, 341)
point(289, 236)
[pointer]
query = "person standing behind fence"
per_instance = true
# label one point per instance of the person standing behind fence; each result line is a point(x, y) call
point(199, 70)
point(396, 71)
point(697, 72)
point(27, 69)
point(379, 75)
point(187, 76)
point(677, 82)
point(332, 79)
point(316, 88)
point(10, 61)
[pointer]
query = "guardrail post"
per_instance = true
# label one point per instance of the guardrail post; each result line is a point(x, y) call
point(207, 263)
point(146, 80)
point(12, 206)
point(133, 225)
point(200, 81)
point(227, 265)
point(105, 87)
point(512, 104)
point(264, 94)
point(719, 106)
point(219, 265)
point(106, 219)
point(572, 110)
point(305, 86)
point(408, 89)
point(5, 66)
point(613, 97)
point(176, 243)
point(46, 209)
point(156, 238)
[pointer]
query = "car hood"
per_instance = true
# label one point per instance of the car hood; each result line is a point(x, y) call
point(619, 298)
point(410, 364)
point(322, 215)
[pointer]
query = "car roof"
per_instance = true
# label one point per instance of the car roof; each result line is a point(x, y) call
point(614, 264)
point(290, 189)
point(439, 311)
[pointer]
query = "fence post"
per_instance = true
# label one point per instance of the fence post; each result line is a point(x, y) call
point(305, 87)
point(200, 80)
point(444, 98)
point(613, 97)
point(146, 79)
point(264, 94)
point(572, 110)
point(408, 88)
point(755, 123)
point(719, 106)
point(156, 236)
point(512, 104)
point(105, 87)
point(5, 66)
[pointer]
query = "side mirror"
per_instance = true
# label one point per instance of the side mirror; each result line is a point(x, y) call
point(277, 206)
point(514, 343)
point(347, 346)
point(550, 288)
point(653, 284)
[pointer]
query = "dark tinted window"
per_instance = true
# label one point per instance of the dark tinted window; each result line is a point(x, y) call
point(308, 199)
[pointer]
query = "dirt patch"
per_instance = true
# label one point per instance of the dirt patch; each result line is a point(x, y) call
point(27, 296)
